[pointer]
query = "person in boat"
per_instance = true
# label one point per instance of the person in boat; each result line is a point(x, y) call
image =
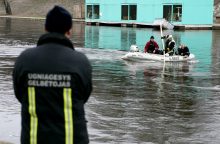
point(169, 44)
point(152, 46)
point(183, 50)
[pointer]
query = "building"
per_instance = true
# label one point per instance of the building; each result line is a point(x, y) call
point(39, 8)
point(145, 12)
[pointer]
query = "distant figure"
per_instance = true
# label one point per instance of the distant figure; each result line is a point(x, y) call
point(152, 46)
point(169, 44)
point(183, 50)
point(53, 82)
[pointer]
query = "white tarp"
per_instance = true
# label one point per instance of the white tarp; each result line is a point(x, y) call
point(164, 23)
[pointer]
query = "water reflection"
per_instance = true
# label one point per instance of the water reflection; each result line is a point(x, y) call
point(116, 38)
point(131, 102)
point(9, 107)
point(148, 104)
point(199, 42)
point(143, 107)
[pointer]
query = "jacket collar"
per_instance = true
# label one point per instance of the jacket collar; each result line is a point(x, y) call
point(55, 38)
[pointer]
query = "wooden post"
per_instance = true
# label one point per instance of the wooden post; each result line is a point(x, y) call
point(7, 7)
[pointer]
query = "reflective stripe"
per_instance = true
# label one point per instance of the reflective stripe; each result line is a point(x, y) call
point(67, 97)
point(33, 115)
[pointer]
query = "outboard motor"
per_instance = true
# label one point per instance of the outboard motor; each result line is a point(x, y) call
point(134, 48)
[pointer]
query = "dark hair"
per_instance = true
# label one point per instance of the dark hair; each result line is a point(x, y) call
point(152, 37)
point(58, 20)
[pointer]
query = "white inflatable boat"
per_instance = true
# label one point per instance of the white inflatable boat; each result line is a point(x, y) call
point(136, 55)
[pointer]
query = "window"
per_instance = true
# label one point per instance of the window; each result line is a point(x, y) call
point(167, 9)
point(177, 12)
point(129, 12)
point(133, 12)
point(172, 13)
point(89, 11)
point(96, 11)
point(92, 11)
point(124, 12)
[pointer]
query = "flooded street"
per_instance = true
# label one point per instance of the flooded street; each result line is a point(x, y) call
point(131, 103)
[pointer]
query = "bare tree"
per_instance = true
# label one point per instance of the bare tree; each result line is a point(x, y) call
point(7, 7)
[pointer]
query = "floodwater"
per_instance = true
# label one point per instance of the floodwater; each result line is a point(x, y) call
point(131, 103)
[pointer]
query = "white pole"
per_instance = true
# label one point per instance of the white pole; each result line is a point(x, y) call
point(161, 34)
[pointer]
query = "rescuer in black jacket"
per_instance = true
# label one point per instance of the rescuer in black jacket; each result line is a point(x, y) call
point(53, 82)
point(183, 50)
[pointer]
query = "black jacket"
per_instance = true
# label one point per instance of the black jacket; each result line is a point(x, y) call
point(169, 45)
point(184, 51)
point(53, 82)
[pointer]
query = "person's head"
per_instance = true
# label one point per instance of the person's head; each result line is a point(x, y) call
point(169, 37)
point(182, 46)
point(59, 20)
point(152, 38)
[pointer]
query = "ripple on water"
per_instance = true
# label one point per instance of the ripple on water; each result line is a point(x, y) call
point(131, 102)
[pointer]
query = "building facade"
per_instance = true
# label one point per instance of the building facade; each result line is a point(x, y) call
point(39, 8)
point(177, 12)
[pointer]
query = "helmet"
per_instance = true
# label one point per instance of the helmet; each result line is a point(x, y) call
point(169, 37)
point(134, 48)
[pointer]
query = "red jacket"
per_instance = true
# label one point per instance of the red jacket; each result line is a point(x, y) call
point(149, 44)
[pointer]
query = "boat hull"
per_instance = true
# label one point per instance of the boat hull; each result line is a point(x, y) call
point(140, 56)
